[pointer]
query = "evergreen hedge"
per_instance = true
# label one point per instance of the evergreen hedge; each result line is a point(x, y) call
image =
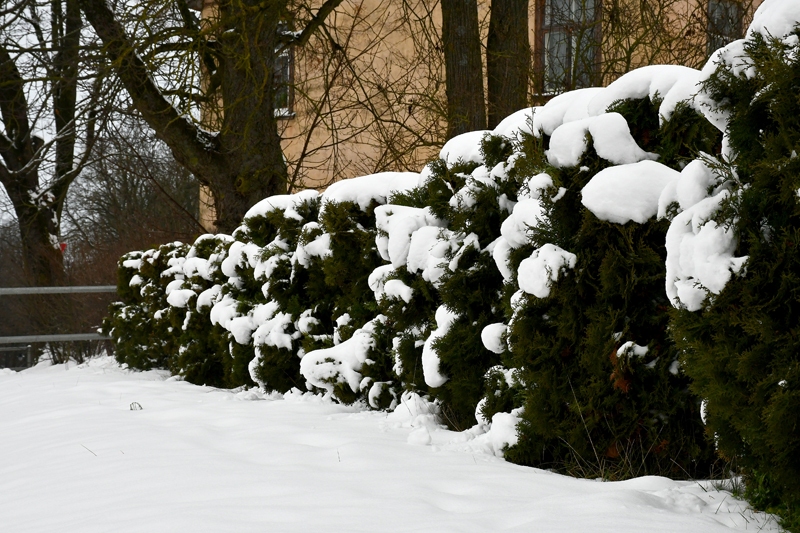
point(602, 393)
point(492, 284)
point(741, 348)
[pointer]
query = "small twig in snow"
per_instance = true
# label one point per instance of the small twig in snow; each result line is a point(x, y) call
point(720, 504)
point(90, 451)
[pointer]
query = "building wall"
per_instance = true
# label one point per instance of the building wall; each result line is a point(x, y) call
point(370, 97)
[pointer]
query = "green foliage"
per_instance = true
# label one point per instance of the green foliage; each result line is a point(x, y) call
point(592, 407)
point(503, 392)
point(299, 297)
point(472, 292)
point(407, 326)
point(676, 141)
point(203, 350)
point(142, 324)
point(287, 284)
point(742, 349)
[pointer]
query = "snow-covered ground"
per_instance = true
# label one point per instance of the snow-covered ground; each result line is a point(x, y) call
point(74, 457)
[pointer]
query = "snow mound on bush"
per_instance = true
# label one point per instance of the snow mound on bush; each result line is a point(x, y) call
point(564, 108)
point(430, 359)
point(646, 82)
point(521, 121)
point(538, 272)
point(282, 202)
point(700, 253)
point(627, 192)
point(342, 363)
point(611, 138)
point(397, 224)
point(366, 189)
point(465, 147)
point(492, 337)
point(775, 18)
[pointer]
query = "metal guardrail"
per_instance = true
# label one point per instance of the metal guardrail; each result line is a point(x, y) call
point(12, 348)
point(31, 339)
point(12, 291)
point(27, 339)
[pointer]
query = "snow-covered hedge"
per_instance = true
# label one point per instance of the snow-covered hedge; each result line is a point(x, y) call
point(523, 277)
point(740, 310)
point(144, 323)
point(520, 276)
point(587, 337)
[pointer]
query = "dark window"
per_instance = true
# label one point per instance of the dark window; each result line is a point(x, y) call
point(569, 43)
point(724, 23)
point(284, 94)
point(284, 76)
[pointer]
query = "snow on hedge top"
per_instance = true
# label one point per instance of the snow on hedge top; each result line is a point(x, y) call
point(649, 81)
point(522, 120)
point(611, 137)
point(465, 147)
point(627, 192)
point(364, 190)
point(282, 202)
point(775, 18)
point(566, 107)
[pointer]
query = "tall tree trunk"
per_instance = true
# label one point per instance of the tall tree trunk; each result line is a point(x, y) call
point(44, 261)
point(67, 41)
point(249, 132)
point(508, 57)
point(243, 163)
point(466, 109)
point(19, 148)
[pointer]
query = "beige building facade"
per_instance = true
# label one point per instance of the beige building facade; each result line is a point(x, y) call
point(367, 94)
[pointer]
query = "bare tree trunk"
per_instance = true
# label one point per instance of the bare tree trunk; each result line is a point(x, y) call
point(508, 57)
point(43, 260)
point(466, 109)
point(20, 176)
point(67, 40)
point(243, 162)
point(38, 202)
point(249, 137)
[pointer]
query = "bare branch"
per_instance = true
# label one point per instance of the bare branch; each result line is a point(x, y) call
point(194, 148)
point(315, 23)
point(14, 110)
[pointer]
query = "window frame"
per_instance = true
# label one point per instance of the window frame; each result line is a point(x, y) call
point(286, 112)
point(725, 29)
point(575, 28)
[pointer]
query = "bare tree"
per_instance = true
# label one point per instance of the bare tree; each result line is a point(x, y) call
point(508, 59)
point(369, 93)
point(49, 101)
point(134, 196)
point(461, 41)
point(371, 88)
point(242, 161)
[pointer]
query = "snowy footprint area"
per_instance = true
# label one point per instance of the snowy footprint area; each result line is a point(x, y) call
point(74, 457)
